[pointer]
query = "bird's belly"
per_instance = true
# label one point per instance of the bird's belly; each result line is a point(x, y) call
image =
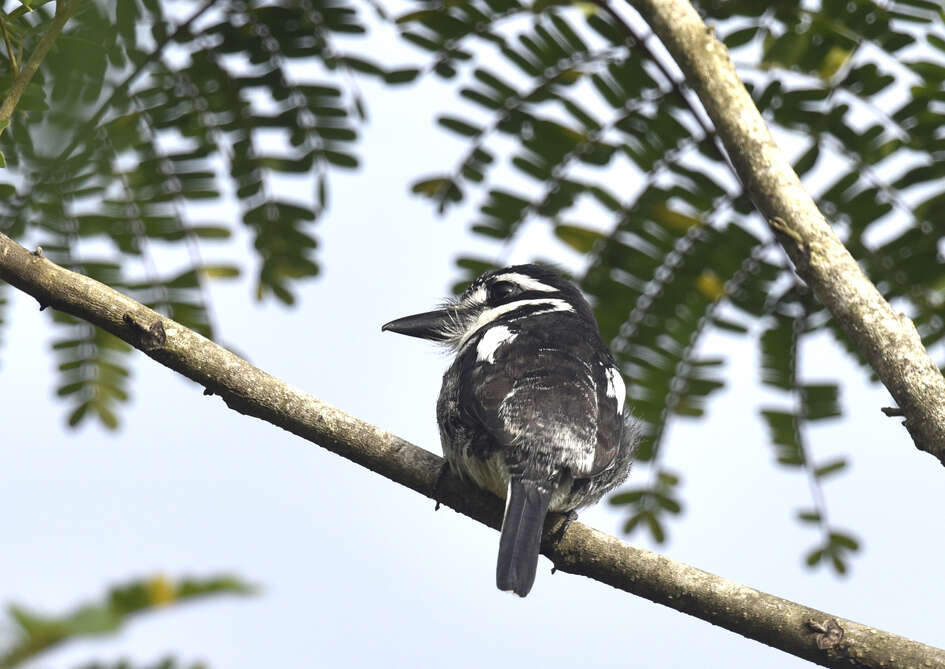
point(489, 473)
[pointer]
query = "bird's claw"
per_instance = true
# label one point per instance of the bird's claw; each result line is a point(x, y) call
point(444, 469)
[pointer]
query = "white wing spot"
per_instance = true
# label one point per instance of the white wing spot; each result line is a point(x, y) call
point(526, 282)
point(616, 387)
point(491, 341)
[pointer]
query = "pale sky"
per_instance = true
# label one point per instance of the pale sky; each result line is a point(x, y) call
point(357, 571)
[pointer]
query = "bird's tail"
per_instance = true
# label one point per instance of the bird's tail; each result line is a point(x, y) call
point(525, 511)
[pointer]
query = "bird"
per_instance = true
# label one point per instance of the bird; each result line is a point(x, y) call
point(532, 407)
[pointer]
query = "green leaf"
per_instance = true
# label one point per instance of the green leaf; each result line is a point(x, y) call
point(630, 497)
point(459, 126)
point(404, 76)
point(809, 516)
point(580, 239)
point(220, 271)
point(656, 528)
point(362, 65)
point(740, 37)
point(832, 467)
point(440, 188)
point(340, 159)
point(844, 540)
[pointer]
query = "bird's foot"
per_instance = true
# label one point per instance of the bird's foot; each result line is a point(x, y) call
point(569, 518)
point(563, 526)
point(444, 469)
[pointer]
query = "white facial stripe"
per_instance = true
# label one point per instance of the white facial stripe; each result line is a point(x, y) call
point(490, 315)
point(526, 282)
point(615, 387)
point(491, 341)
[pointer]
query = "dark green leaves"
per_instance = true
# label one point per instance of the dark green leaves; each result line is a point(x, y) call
point(648, 506)
point(124, 143)
point(835, 550)
point(808, 402)
point(459, 126)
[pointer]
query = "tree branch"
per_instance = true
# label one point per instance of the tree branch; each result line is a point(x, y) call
point(793, 628)
point(888, 340)
point(64, 11)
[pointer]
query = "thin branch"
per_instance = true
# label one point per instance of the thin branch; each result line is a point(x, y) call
point(573, 548)
point(819, 499)
point(14, 65)
point(886, 339)
point(64, 11)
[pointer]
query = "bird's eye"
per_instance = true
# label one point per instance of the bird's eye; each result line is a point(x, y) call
point(502, 290)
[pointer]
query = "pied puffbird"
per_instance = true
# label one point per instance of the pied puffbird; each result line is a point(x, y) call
point(532, 407)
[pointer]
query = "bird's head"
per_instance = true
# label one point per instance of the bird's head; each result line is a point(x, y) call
point(502, 295)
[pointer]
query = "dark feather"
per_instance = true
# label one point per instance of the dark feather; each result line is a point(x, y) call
point(520, 542)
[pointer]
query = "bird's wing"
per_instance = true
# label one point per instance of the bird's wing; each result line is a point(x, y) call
point(549, 403)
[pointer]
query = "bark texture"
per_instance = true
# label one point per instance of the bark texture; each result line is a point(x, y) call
point(574, 548)
point(886, 339)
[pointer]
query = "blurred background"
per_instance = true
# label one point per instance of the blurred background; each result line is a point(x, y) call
point(202, 161)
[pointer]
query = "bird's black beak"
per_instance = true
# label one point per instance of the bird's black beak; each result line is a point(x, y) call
point(433, 325)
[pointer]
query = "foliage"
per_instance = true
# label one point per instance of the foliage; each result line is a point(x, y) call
point(126, 135)
point(615, 154)
point(34, 633)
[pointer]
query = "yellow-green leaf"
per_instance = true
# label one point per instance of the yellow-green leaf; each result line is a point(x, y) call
point(833, 61)
point(581, 240)
point(710, 285)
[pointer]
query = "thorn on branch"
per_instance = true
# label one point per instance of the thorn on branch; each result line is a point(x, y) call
point(829, 633)
point(893, 411)
point(149, 337)
point(207, 391)
point(39, 252)
point(42, 305)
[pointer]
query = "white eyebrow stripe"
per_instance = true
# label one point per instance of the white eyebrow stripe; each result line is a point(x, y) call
point(526, 282)
point(490, 315)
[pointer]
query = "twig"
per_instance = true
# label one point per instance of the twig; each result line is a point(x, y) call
point(14, 66)
point(64, 11)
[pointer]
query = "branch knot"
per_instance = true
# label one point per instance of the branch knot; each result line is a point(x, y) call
point(148, 337)
point(829, 633)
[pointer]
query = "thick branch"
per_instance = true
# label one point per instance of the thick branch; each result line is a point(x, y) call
point(796, 629)
point(887, 340)
point(64, 10)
